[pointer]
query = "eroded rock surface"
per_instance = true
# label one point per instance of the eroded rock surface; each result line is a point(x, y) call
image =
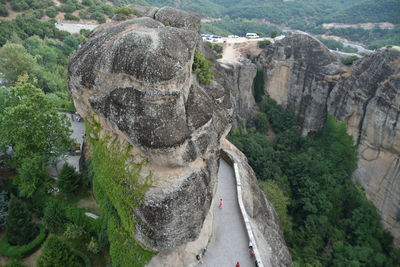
point(136, 78)
point(303, 74)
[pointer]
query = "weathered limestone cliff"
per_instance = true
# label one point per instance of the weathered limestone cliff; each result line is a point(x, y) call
point(135, 79)
point(303, 74)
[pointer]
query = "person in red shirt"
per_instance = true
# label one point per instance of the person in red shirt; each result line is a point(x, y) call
point(237, 264)
point(221, 203)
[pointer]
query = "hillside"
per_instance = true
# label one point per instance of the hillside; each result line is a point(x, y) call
point(306, 15)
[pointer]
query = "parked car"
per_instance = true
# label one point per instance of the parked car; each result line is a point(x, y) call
point(233, 36)
point(251, 35)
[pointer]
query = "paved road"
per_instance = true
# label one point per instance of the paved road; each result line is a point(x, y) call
point(229, 242)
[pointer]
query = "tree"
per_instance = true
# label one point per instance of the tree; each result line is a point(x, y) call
point(14, 263)
point(16, 61)
point(274, 33)
point(31, 124)
point(20, 229)
point(262, 122)
point(31, 175)
point(56, 252)
point(69, 180)
point(54, 218)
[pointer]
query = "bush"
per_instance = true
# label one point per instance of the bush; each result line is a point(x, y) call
point(14, 263)
point(20, 229)
point(264, 43)
point(74, 231)
point(3, 208)
point(56, 252)
point(19, 5)
point(69, 180)
point(77, 216)
point(218, 49)
point(202, 66)
point(274, 33)
point(350, 60)
point(93, 246)
point(51, 12)
point(54, 218)
point(3, 11)
point(19, 252)
point(123, 13)
point(69, 16)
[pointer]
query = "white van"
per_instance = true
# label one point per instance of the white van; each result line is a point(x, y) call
point(252, 35)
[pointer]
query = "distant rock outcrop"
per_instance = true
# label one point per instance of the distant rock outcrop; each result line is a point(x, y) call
point(303, 74)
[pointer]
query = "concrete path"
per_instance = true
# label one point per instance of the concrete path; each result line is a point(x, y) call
point(229, 243)
point(74, 27)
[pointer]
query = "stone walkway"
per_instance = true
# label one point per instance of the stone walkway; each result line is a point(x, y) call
point(229, 243)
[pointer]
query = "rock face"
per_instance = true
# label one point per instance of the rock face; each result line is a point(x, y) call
point(303, 74)
point(136, 78)
point(238, 76)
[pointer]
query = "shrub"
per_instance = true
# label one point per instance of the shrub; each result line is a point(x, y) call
point(14, 263)
point(202, 66)
point(19, 252)
point(123, 13)
point(74, 231)
point(69, 16)
point(54, 217)
point(264, 43)
point(3, 208)
point(56, 252)
point(218, 48)
point(93, 246)
point(274, 33)
point(20, 229)
point(350, 60)
point(51, 12)
point(77, 216)
point(19, 5)
point(69, 180)
point(3, 11)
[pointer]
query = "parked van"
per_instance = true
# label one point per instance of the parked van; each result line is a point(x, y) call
point(252, 35)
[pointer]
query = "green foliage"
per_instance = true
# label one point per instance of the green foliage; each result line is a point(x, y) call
point(69, 181)
point(326, 218)
point(20, 229)
point(51, 12)
point(263, 43)
point(16, 61)
point(32, 175)
point(54, 218)
point(14, 263)
point(124, 251)
point(56, 252)
point(74, 231)
point(3, 11)
point(280, 202)
point(350, 60)
point(31, 124)
point(93, 246)
point(202, 67)
point(69, 16)
point(274, 33)
point(258, 85)
point(123, 13)
point(19, 252)
point(119, 189)
point(262, 122)
point(19, 5)
point(4, 199)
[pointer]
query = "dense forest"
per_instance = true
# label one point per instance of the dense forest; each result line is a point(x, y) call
point(326, 218)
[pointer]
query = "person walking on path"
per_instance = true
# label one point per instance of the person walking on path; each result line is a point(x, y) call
point(221, 203)
point(237, 264)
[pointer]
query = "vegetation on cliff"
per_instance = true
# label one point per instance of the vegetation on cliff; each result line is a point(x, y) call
point(326, 218)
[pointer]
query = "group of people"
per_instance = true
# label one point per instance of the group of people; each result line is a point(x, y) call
point(199, 257)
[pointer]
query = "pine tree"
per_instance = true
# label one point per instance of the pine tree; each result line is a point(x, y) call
point(69, 180)
point(20, 229)
point(56, 252)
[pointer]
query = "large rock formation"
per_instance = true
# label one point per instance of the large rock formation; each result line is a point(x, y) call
point(135, 78)
point(303, 74)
